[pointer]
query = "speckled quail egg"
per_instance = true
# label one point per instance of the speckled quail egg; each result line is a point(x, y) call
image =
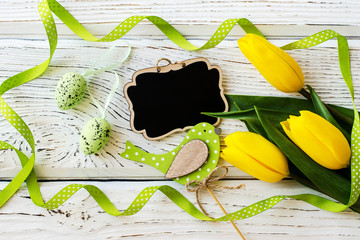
point(70, 90)
point(94, 135)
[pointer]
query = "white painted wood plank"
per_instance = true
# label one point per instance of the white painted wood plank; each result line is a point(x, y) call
point(274, 18)
point(81, 218)
point(22, 46)
point(298, 12)
point(57, 132)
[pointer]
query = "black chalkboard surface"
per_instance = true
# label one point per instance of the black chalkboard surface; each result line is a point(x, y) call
point(171, 98)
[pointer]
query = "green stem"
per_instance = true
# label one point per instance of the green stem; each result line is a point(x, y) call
point(338, 115)
point(306, 94)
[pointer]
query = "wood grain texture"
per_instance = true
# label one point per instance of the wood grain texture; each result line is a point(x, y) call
point(188, 11)
point(23, 45)
point(81, 217)
point(57, 132)
point(273, 17)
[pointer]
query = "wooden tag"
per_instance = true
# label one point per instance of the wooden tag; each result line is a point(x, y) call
point(190, 157)
point(166, 99)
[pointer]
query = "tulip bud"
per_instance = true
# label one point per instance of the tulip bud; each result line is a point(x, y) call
point(319, 139)
point(274, 64)
point(255, 155)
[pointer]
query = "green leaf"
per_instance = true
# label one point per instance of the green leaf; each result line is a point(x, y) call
point(328, 181)
point(346, 111)
point(277, 103)
point(320, 107)
point(250, 116)
point(255, 127)
point(298, 176)
point(322, 110)
point(285, 104)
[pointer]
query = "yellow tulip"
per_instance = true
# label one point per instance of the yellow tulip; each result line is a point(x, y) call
point(255, 155)
point(319, 139)
point(274, 64)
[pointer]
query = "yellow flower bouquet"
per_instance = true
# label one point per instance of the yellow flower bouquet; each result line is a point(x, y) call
point(301, 138)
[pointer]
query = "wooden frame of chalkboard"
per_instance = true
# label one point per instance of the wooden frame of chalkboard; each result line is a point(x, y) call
point(165, 69)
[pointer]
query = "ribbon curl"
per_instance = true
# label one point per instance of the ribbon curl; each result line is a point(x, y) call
point(47, 7)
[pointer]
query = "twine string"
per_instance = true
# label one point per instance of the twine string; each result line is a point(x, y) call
point(208, 182)
point(49, 7)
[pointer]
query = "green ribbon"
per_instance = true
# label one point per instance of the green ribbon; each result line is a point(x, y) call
point(46, 8)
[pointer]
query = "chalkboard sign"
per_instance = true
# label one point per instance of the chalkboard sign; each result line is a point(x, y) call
point(170, 98)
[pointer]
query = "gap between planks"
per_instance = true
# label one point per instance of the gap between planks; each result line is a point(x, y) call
point(145, 28)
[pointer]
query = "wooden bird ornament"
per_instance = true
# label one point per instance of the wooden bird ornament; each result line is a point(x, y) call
point(193, 159)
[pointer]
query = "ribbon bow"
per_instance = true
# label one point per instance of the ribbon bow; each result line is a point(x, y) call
point(208, 182)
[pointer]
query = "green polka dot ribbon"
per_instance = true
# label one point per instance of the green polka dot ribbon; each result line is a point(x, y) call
point(27, 174)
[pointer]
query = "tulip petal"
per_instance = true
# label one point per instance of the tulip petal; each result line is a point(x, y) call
point(315, 148)
point(264, 63)
point(318, 138)
point(285, 72)
point(256, 156)
point(260, 149)
point(323, 111)
point(286, 104)
point(286, 127)
point(330, 137)
point(249, 165)
point(289, 60)
point(274, 64)
point(327, 180)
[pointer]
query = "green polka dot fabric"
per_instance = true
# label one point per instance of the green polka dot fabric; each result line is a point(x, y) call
point(26, 174)
point(202, 131)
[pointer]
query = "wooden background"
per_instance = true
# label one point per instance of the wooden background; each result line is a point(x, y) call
point(59, 162)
